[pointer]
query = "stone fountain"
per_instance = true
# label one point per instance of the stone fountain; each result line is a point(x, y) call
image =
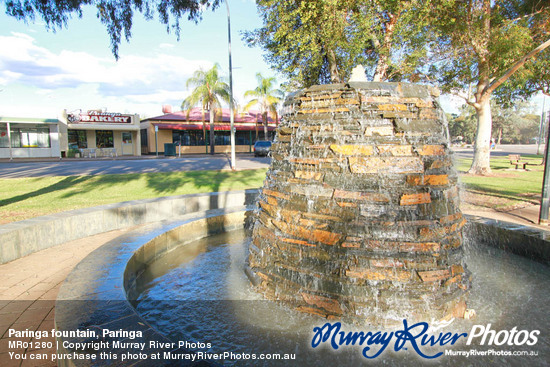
point(359, 214)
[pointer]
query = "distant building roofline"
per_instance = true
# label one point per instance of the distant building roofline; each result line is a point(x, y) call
point(196, 114)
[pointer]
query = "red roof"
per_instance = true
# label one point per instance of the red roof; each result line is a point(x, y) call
point(217, 127)
point(195, 115)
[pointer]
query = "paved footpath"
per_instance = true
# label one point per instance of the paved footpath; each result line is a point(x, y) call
point(526, 216)
point(28, 290)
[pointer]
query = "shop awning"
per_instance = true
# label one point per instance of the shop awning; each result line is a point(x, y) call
point(27, 120)
point(217, 127)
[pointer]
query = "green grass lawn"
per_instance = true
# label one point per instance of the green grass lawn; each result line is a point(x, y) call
point(22, 198)
point(505, 187)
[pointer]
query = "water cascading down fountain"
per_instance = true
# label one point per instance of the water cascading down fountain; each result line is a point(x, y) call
point(359, 215)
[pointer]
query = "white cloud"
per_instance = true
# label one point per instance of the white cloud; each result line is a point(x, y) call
point(135, 81)
point(167, 46)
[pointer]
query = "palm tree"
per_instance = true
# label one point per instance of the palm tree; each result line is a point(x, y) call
point(266, 97)
point(209, 88)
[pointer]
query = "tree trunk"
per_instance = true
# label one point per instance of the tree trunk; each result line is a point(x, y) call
point(265, 125)
point(381, 69)
point(382, 66)
point(212, 140)
point(203, 127)
point(482, 146)
point(499, 135)
point(333, 66)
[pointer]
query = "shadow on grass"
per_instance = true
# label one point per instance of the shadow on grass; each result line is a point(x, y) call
point(64, 184)
point(176, 183)
point(503, 194)
point(202, 181)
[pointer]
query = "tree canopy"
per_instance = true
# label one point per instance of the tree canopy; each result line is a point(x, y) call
point(485, 44)
point(301, 39)
point(535, 78)
point(116, 15)
point(318, 42)
point(396, 37)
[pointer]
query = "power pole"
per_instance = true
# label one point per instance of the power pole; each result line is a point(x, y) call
point(231, 107)
point(542, 124)
point(545, 196)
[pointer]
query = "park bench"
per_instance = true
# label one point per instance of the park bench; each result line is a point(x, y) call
point(515, 159)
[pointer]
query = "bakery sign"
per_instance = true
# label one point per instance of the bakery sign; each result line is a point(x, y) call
point(99, 117)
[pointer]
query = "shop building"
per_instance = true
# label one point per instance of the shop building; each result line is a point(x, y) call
point(31, 137)
point(190, 132)
point(97, 134)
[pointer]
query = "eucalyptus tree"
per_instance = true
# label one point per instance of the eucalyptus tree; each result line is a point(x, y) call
point(392, 37)
point(266, 97)
point(319, 42)
point(484, 44)
point(302, 39)
point(535, 78)
point(116, 15)
point(539, 75)
point(209, 88)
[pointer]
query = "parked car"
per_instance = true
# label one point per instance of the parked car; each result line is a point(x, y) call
point(262, 148)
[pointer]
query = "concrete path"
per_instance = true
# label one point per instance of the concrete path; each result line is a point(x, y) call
point(28, 291)
point(527, 216)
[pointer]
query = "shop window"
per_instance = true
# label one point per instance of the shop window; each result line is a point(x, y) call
point(77, 139)
point(26, 137)
point(188, 137)
point(4, 141)
point(270, 135)
point(15, 138)
point(196, 138)
point(35, 137)
point(104, 139)
point(222, 138)
point(126, 138)
point(242, 138)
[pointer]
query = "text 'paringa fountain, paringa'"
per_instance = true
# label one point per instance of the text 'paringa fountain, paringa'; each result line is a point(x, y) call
point(359, 214)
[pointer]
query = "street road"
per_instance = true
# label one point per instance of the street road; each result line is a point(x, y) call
point(500, 151)
point(75, 167)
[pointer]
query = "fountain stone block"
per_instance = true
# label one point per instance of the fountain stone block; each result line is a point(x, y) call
point(359, 215)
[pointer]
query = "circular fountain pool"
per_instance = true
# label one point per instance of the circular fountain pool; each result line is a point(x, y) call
point(199, 293)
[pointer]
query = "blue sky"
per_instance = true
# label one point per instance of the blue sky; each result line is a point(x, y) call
point(42, 72)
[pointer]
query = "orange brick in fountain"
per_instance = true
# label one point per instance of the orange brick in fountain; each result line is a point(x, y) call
point(358, 217)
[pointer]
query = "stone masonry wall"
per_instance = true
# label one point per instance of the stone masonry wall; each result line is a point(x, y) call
point(359, 215)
